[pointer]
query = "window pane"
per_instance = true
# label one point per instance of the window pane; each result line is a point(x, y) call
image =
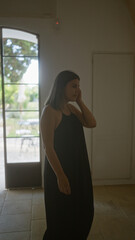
point(21, 97)
point(20, 70)
point(24, 124)
point(2, 173)
point(19, 43)
point(22, 150)
point(0, 87)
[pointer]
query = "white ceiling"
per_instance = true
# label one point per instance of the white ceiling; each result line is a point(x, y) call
point(28, 8)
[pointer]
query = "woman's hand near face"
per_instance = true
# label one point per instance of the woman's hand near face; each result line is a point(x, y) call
point(85, 115)
point(79, 96)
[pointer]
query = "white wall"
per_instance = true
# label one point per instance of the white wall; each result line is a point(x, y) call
point(85, 27)
point(113, 83)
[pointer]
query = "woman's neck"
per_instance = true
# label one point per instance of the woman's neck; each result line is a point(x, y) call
point(65, 109)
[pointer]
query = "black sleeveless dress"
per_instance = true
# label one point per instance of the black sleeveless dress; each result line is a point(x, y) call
point(69, 217)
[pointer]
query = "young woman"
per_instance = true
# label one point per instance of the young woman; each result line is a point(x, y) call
point(68, 185)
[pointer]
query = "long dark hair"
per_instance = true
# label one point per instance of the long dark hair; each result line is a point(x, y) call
point(57, 93)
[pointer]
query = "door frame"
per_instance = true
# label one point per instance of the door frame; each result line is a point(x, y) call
point(20, 175)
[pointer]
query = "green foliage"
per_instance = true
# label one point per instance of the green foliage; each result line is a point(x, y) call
point(17, 58)
point(10, 95)
point(32, 94)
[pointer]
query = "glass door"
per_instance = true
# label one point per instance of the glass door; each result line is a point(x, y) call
point(2, 165)
point(20, 84)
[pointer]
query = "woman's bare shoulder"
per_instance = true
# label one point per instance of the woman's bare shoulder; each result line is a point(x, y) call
point(52, 115)
point(48, 111)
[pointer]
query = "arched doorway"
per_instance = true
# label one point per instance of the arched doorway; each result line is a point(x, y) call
point(19, 108)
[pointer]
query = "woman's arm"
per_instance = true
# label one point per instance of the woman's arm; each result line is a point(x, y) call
point(48, 125)
point(85, 115)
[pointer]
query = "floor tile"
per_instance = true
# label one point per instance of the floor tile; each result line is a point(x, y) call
point(3, 193)
point(22, 214)
point(100, 193)
point(95, 237)
point(16, 207)
point(109, 208)
point(38, 196)
point(0, 210)
point(18, 194)
point(96, 225)
point(114, 228)
point(2, 197)
point(121, 192)
point(15, 236)
point(131, 220)
point(122, 189)
point(14, 223)
point(128, 207)
point(38, 211)
point(37, 229)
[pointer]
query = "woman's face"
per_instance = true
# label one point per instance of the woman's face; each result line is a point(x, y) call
point(71, 90)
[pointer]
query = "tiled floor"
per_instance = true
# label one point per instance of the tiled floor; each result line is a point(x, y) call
point(114, 213)
point(22, 215)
